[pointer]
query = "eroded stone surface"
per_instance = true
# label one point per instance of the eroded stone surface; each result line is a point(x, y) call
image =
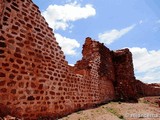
point(35, 78)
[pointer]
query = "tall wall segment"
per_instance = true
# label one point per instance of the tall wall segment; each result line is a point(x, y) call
point(35, 79)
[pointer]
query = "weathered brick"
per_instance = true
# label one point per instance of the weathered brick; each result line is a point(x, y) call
point(3, 90)
point(1, 51)
point(2, 74)
point(2, 44)
point(2, 83)
point(30, 98)
point(37, 74)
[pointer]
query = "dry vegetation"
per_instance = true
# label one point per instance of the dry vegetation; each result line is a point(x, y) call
point(146, 109)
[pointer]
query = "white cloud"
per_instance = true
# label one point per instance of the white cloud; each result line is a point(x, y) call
point(59, 16)
point(146, 64)
point(150, 76)
point(109, 37)
point(68, 45)
point(141, 21)
point(158, 21)
point(71, 64)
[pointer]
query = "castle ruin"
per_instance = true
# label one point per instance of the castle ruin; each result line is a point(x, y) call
point(36, 80)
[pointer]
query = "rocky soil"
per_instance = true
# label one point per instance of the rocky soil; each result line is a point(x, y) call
point(146, 109)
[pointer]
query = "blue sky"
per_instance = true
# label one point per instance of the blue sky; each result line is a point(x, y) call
point(134, 24)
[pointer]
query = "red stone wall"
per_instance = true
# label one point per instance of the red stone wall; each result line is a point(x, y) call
point(2, 44)
point(124, 75)
point(127, 88)
point(143, 89)
point(97, 65)
point(1, 8)
point(35, 79)
point(32, 64)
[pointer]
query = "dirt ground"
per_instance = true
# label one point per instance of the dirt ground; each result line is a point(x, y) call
point(146, 109)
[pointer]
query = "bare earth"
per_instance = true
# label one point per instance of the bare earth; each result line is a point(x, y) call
point(146, 109)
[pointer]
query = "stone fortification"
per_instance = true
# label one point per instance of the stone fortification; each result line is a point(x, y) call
point(36, 80)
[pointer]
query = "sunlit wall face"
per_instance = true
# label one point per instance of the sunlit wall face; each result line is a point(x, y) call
point(117, 23)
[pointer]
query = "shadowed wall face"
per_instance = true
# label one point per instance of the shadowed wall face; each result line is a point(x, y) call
point(124, 75)
point(35, 79)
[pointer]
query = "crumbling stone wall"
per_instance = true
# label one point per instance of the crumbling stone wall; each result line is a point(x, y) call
point(97, 64)
point(32, 63)
point(151, 90)
point(124, 75)
point(35, 79)
point(143, 89)
point(127, 88)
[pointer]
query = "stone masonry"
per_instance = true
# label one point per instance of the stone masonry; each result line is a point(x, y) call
point(124, 74)
point(36, 80)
